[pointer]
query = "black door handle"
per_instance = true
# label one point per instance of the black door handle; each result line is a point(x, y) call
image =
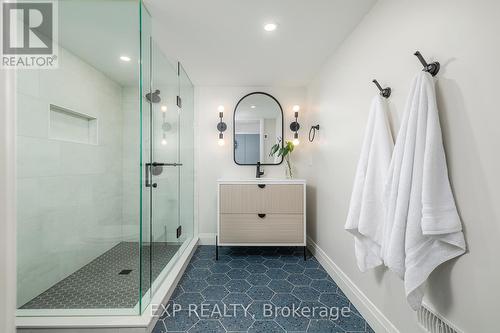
point(155, 164)
point(262, 215)
point(147, 171)
point(261, 185)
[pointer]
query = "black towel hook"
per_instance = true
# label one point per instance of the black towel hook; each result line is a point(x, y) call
point(432, 68)
point(385, 92)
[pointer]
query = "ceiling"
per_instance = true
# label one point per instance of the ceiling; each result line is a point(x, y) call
point(93, 31)
point(222, 42)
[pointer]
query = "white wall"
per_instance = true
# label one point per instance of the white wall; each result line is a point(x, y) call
point(214, 162)
point(463, 36)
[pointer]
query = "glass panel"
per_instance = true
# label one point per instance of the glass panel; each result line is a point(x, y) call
point(169, 161)
point(186, 152)
point(94, 236)
point(146, 69)
point(78, 167)
point(168, 166)
point(165, 168)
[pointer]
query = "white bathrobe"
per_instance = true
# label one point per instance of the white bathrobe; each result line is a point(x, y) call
point(423, 228)
point(366, 212)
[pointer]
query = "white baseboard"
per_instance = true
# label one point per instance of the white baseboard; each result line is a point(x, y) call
point(370, 312)
point(207, 238)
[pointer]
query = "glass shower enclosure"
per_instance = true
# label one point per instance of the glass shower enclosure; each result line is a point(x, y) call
point(105, 166)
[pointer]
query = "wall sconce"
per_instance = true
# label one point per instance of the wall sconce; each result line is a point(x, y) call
point(221, 126)
point(295, 126)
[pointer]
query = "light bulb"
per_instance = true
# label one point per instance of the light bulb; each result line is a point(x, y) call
point(295, 142)
point(220, 108)
point(270, 27)
point(125, 58)
point(163, 142)
point(221, 142)
point(163, 108)
point(252, 106)
point(296, 108)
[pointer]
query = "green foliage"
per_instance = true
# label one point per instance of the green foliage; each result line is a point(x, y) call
point(278, 150)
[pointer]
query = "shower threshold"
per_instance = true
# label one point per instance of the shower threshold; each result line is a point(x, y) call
point(111, 281)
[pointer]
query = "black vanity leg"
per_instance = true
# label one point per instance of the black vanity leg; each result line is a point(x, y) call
point(305, 253)
point(216, 249)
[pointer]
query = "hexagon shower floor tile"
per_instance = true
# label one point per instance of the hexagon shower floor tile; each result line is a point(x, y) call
point(257, 290)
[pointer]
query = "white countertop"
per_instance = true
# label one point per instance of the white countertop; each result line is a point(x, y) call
point(260, 181)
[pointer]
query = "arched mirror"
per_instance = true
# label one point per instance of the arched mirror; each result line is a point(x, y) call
point(257, 126)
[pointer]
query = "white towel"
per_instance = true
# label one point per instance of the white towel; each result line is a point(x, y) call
point(423, 228)
point(366, 212)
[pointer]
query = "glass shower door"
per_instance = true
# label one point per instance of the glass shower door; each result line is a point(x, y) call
point(162, 168)
point(186, 152)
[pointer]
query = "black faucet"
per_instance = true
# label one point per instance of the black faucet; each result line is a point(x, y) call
point(259, 173)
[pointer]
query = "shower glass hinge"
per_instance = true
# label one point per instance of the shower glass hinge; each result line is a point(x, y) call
point(179, 231)
point(179, 101)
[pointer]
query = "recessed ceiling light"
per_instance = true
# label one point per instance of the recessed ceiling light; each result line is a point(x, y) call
point(270, 26)
point(125, 58)
point(252, 106)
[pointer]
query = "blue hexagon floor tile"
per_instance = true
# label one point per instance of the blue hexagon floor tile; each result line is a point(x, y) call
point(206, 325)
point(281, 286)
point(258, 290)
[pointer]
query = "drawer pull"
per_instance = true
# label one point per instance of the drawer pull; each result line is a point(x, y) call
point(262, 215)
point(261, 185)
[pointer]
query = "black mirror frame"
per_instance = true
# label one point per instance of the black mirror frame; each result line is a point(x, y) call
point(234, 126)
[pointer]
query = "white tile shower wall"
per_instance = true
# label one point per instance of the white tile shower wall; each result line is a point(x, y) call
point(463, 36)
point(69, 194)
point(131, 163)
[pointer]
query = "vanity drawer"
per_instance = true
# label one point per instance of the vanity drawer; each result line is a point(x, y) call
point(269, 199)
point(240, 199)
point(283, 199)
point(250, 228)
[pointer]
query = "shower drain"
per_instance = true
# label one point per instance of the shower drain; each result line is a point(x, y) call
point(125, 272)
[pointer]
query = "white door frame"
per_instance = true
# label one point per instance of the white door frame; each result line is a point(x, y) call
point(7, 201)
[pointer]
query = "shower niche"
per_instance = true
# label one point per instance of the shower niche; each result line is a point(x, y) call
point(93, 237)
point(72, 126)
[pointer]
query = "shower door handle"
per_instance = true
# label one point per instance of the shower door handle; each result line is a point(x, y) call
point(148, 172)
point(155, 164)
point(147, 176)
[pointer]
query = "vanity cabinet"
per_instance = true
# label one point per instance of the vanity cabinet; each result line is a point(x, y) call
point(261, 212)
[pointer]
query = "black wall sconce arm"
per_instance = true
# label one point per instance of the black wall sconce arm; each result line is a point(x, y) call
point(294, 127)
point(221, 126)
